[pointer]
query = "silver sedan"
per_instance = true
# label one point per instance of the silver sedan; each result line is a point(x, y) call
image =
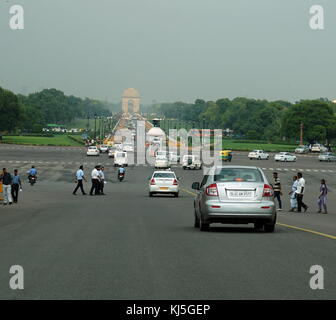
point(234, 195)
point(328, 156)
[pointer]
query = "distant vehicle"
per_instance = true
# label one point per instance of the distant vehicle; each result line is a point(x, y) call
point(92, 151)
point(174, 157)
point(111, 152)
point(258, 154)
point(191, 162)
point(118, 146)
point(318, 148)
point(234, 195)
point(302, 149)
point(162, 161)
point(226, 155)
point(160, 153)
point(164, 182)
point(120, 159)
point(103, 148)
point(285, 156)
point(327, 156)
point(128, 147)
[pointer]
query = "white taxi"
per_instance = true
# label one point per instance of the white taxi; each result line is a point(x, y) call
point(285, 156)
point(163, 182)
point(92, 151)
point(162, 162)
point(258, 154)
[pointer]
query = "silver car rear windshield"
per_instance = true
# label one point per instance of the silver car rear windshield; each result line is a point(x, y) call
point(237, 175)
point(164, 175)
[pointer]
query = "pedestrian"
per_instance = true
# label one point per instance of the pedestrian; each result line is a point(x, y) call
point(95, 181)
point(293, 200)
point(301, 188)
point(277, 189)
point(6, 179)
point(322, 199)
point(102, 181)
point(16, 186)
point(79, 180)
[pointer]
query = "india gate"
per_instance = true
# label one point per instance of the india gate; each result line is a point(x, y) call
point(131, 101)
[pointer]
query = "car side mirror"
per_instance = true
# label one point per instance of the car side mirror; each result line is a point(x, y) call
point(195, 186)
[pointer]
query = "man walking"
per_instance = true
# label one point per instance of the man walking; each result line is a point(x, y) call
point(322, 199)
point(102, 181)
point(277, 189)
point(95, 181)
point(300, 192)
point(293, 200)
point(79, 179)
point(16, 186)
point(6, 180)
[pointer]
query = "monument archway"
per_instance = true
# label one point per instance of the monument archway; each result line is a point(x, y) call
point(131, 101)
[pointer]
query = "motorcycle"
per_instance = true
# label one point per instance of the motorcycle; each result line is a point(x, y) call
point(121, 176)
point(32, 180)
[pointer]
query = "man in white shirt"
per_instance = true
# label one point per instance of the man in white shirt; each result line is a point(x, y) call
point(95, 179)
point(301, 186)
point(79, 179)
point(102, 181)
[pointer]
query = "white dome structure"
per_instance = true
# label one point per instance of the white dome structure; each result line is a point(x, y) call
point(156, 132)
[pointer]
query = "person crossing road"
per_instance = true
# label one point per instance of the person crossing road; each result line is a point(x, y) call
point(79, 179)
point(301, 188)
point(95, 179)
point(6, 179)
point(16, 186)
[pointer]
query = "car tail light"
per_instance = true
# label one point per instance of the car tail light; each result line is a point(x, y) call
point(175, 183)
point(152, 182)
point(212, 190)
point(268, 191)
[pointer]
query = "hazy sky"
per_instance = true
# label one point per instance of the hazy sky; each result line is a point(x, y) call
point(170, 49)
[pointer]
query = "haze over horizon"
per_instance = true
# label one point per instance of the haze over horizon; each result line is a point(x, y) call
point(176, 50)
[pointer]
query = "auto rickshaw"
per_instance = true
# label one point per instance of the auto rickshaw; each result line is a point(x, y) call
point(226, 155)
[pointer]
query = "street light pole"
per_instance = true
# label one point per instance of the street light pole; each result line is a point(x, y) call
point(301, 134)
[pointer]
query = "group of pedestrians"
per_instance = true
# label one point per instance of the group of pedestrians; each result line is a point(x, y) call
point(297, 192)
point(11, 184)
point(97, 179)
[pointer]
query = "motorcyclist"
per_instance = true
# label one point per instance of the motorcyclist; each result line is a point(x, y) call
point(32, 173)
point(121, 170)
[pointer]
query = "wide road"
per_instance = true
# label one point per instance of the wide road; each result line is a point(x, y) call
point(126, 245)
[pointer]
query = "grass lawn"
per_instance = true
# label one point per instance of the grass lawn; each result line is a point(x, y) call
point(57, 140)
point(269, 147)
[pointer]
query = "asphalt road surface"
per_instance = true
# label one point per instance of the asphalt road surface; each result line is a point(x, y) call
point(126, 245)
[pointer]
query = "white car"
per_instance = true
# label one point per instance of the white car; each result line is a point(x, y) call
point(164, 182)
point(103, 148)
point(173, 157)
point(118, 146)
point(120, 159)
point(258, 154)
point(111, 152)
point(161, 153)
point(92, 151)
point(191, 162)
point(318, 148)
point(284, 156)
point(302, 149)
point(128, 147)
point(162, 162)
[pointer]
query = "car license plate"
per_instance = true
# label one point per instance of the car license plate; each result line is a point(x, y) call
point(240, 194)
point(164, 188)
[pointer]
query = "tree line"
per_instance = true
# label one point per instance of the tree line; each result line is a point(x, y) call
point(30, 113)
point(258, 119)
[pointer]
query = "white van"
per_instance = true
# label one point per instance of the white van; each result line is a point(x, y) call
point(120, 159)
point(191, 162)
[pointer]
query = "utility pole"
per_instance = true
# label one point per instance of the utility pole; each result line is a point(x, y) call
point(301, 134)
